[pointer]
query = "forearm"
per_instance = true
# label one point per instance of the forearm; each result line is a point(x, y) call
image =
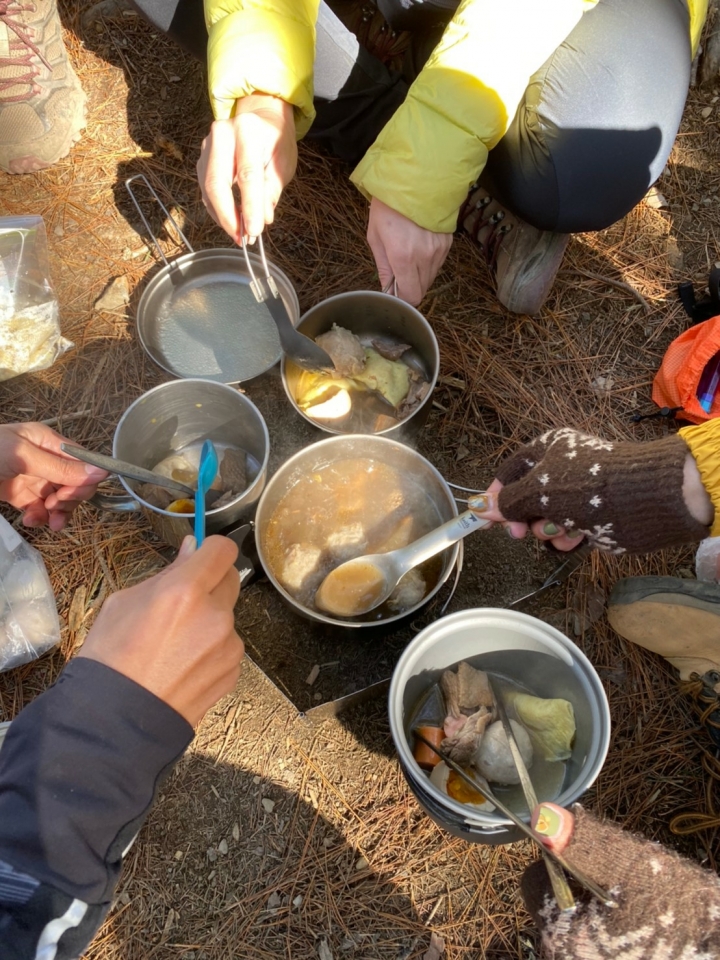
point(79, 771)
point(665, 901)
point(260, 47)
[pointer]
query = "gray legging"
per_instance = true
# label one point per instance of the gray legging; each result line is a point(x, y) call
point(592, 134)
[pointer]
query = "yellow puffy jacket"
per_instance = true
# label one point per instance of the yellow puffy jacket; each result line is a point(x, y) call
point(458, 108)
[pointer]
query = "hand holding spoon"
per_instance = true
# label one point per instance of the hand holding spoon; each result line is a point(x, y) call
point(360, 585)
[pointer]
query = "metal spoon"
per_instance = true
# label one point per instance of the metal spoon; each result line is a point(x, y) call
point(295, 345)
point(129, 470)
point(206, 476)
point(360, 585)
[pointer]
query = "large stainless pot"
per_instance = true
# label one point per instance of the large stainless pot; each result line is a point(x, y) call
point(391, 452)
point(367, 314)
point(526, 650)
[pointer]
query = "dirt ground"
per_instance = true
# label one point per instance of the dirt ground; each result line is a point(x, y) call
point(277, 836)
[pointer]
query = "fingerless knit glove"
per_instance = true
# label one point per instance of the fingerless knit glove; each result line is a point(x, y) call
point(625, 497)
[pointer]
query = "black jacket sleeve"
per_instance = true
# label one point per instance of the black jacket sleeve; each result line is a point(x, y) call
point(79, 770)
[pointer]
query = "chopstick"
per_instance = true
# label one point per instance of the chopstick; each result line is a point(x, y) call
point(482, 788)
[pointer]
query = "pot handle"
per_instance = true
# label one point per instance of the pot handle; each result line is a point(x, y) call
point(153, 194)
point(391, 287)
point(115, 503)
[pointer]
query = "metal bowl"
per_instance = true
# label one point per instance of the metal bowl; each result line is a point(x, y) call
point(198, 318)
point(368, 314)
point(320, 454)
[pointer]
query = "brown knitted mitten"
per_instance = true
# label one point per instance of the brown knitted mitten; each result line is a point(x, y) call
point(668, 907)
point(625, 497)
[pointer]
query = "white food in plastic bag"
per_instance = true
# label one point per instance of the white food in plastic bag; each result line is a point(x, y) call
point(29, 624)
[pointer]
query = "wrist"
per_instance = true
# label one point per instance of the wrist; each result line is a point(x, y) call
point(264, 102)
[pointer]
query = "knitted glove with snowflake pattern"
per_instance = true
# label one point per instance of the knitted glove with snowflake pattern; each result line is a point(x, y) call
point(625, 497)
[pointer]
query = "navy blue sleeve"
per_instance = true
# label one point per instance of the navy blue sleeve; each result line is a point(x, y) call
point(79, 770)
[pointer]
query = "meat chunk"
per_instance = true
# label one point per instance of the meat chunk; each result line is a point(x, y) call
point(409, 591)
point(473, 688)
point(301, 561)
point(389, 348)
point(463, 746)
point(232, 471)
point(345, 350)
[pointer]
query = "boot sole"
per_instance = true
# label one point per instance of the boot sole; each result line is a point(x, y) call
point(678, 619)
point(525, 291)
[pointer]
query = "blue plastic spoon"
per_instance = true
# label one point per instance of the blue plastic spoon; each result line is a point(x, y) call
point(206, 477)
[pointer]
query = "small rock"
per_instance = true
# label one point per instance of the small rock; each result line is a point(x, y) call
point(297, 901)
point(223, 847)
point(212, 854)
point(317, 697)
point(674, 254)
point(174, 79)
point(327, 843)
point(114, 297)
point(686, 573)
point(313, 675)
point(695, 207)
point(179, 854)
point(436, 948)
point(603, 384)
point(462, 452)
point(236, 832)
point(256, 779)
point(59, 231)
point(268, 804)
point(324, 951)
point(655, 200)
point(705, 112)
point(274, 900)
point(361, 864)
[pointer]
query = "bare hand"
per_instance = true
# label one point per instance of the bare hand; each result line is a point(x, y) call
point(405, 251)
point(255, 149)
point(39, 479)
point(174, 634)
point(486, 506)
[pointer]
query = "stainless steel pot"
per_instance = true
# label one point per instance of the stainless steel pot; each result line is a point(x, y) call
point(310, 459)
point(521, 648)
point(368, 313)
point(198, 316)
point(169, 418)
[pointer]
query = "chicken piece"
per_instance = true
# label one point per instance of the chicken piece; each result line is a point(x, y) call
point(301, 561)
point(449, 687)
point(389, 348)
point(473, 688)
point(232, 471)
point(464, 745)
point(400, 537)
point(417, 392)
point(345, 350)
point(409, 592)
point(347, 542)
point(156, 496)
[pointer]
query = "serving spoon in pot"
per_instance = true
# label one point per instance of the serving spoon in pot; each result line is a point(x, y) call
point(360, 585)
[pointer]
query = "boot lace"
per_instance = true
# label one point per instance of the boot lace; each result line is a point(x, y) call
point(25, 50)
point(706, 704)
point(487, 230)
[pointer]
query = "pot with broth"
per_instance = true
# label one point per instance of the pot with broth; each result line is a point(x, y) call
point(345, 510)
point(345, 497)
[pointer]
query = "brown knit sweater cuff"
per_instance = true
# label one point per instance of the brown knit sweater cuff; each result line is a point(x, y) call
point(624, 497)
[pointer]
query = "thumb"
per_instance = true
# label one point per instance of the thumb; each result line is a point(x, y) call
point(187, 549)
point(59, 470)
point(250, 176)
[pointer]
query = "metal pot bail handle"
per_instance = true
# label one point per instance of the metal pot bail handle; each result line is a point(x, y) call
point(391, 287)
point(256, 282)
point(115, 503)
point(153, 194)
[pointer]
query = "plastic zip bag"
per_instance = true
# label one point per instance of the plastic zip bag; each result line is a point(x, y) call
point(29, 623)
point(30, 337)
point(707, 560)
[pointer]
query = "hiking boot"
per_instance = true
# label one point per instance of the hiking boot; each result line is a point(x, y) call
point(526, 260)
point(42, 105)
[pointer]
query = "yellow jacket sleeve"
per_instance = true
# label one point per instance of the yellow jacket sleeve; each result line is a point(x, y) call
point(704, 443)
point(262, 46)
point(698, 12)
point(461, 104)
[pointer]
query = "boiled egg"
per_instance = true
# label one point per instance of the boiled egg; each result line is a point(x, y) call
point(452, 784)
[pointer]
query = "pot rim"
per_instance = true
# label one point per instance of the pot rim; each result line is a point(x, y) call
point(560, 644)
point(259, 479)
point(379, 295)
point(316, 614)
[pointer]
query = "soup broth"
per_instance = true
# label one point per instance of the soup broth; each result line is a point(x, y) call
point(344, 510)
